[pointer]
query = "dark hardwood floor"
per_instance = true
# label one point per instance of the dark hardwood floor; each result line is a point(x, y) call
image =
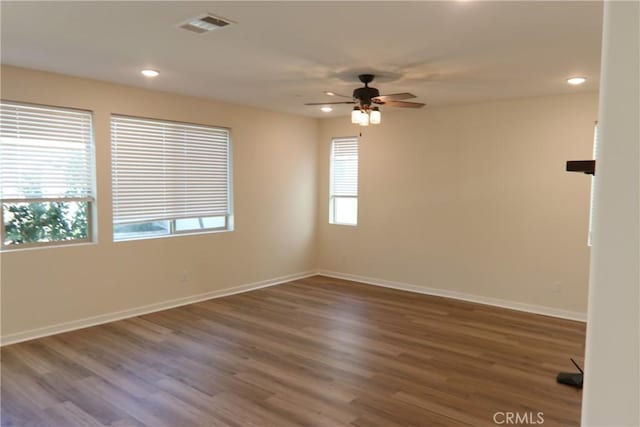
point(314, 352)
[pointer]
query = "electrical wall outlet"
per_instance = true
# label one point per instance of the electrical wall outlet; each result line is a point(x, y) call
point(556, 288)
point(184, 277)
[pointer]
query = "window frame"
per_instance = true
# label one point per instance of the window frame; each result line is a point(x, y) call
point(90, 200)
point(332, 197)
point(173, 232)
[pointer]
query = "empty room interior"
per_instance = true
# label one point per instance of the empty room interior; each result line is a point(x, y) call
point(320, 213)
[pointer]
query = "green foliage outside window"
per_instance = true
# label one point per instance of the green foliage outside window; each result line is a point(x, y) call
point(33, 222)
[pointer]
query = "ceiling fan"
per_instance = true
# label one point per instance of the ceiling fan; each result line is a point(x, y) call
point(367, 99)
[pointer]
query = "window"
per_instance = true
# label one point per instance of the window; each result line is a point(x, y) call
point(343, 191)
point(168, 178)
point(46, 175)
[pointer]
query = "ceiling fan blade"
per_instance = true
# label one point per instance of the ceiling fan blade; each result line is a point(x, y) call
point(339, 95)
point(329, 103)
point(404, 104)
point(393, 97)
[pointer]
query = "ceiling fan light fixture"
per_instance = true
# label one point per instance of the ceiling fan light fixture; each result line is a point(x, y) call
point(375, 116)
point(364, 118)
point(326, 109)
point(355, 115)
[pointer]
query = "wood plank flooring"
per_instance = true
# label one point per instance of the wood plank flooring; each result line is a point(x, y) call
point(314, 352)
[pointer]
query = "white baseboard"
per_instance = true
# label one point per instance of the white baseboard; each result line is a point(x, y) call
point(145, 309)
point(513, 305)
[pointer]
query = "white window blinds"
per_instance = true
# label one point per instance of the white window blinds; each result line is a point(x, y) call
point(166, 170)
point(344, 167)
point(45, 153)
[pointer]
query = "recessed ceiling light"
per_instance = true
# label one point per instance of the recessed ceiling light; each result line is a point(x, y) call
point(330, 93)
point(576, 80)
point(327, 109)
point(149, 73)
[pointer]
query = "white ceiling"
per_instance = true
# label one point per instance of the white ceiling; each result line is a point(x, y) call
point(282, 54)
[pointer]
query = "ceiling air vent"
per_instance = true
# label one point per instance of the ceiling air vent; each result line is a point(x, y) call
point(204, 24)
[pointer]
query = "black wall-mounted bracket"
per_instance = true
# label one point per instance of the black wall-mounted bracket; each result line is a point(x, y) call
point(585, 166)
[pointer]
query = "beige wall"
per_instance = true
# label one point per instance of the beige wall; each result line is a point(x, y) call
point(274, 215)
point(471, 199)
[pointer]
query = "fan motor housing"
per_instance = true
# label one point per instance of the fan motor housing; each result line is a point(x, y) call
point(364, 94)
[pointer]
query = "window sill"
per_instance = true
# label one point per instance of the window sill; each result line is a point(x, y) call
point(165, 236)
point(46, 246)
